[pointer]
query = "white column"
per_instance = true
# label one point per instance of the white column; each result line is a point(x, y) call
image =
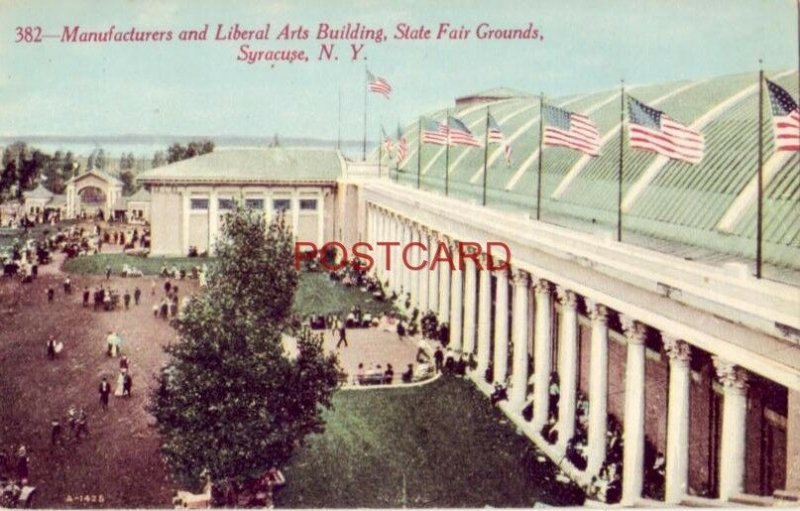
point(501, 327)
point(567, 366)
point(423, 273)
point(433, 274)
point(295, 202)
point(633, 433)
point(405, 240)
point(394, 273)
point(598, 388)
point(470, 305)
point(213, 220)
point(321, 220)
point(734, 428)
point(519, 340)
point(444, 288)
point(413, 260)
point(380, 264)
point(542, 358)
point(186, 211)
point(456, 305)
point(677, 469)
point(484, 321)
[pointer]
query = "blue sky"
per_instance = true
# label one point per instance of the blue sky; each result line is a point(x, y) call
point(199, 88)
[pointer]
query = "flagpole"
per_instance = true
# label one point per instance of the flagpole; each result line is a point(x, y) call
point(366, 86)
point(485, 155)
point(380, 153)
point(447, 154)
point(621, 160)
point(419, 150)
point(539, 171)
point(760, 205)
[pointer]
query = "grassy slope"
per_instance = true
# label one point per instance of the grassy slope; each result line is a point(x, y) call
point(445, 440)
point(96, 264)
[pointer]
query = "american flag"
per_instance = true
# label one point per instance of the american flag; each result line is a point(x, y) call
point(568, 129)
point(433, 132)
point(496, 136)
point(785, 118)
point(402, 145)
point(388, 145)
point(378, 85)
point(653, 130)
point(460, 134)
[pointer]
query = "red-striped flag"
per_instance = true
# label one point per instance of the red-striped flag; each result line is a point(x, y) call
point(388, 145)
point(785, 118)
point(459, 134)
point(378, 85)
point(402, 145)
point(653, 130)
point(496, 136)
point(433, 132)
point(568, 129)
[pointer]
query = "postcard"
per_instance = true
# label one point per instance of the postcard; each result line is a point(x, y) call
point(390, 254)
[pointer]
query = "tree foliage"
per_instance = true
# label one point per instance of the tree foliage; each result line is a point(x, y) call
point(232, 402)
point(178, 152)
point(22, 167)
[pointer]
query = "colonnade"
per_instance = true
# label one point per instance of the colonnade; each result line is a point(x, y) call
point(478, 316)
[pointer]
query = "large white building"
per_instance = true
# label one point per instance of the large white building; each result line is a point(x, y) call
point(667, 331)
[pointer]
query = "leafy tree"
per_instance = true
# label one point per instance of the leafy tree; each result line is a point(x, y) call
point(71, 166)
point(53, 173)
point(178, 152)
point(231, 402)
point(100, 160)
point(158, 159)
point(127, 161)
point(129, 186)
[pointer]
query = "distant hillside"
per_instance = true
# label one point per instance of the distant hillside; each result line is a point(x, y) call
point(167, 140)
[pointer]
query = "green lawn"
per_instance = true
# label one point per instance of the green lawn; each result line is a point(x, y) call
point(440, 445)
point(317, 294)
point(96, 264)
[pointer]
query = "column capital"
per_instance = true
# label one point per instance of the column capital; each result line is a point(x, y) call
point(634, 331)
point(543, 287)
point(729, 374)
point(501, 273)
point(597, 311)
point(677, 350)
point(567, 298)
point(521, 278)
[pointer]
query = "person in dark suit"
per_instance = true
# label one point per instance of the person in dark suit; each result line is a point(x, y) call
point(342, 336)
point(105, 391)
point(438, 358)
point(127, 382)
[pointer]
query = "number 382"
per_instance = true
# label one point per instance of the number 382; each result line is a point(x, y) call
point(28, 35)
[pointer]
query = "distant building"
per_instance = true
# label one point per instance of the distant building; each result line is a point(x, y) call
point(189, 198)
point(92, 193)
point(41, 201)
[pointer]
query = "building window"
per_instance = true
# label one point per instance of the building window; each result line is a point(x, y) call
point(199, 204)
point(280, 205)
point(225, 204)
point(254, 204)
point(308, 204)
